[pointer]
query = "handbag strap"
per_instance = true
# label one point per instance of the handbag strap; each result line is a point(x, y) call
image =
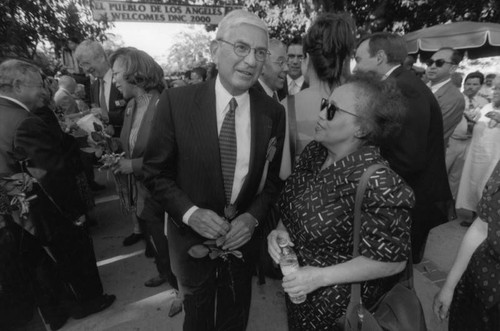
point(360, 192)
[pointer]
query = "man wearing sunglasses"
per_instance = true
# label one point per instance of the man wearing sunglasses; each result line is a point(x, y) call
point(418, 154)
point(439, 69)
point(210, 147)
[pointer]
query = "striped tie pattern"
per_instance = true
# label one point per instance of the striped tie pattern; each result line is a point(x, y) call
point(227, 147)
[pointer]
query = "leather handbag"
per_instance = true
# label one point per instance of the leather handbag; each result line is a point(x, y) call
point(399, 309)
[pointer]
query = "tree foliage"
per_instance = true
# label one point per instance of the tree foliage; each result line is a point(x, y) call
point(387, 15)
point(25, 24)
point(191, 50)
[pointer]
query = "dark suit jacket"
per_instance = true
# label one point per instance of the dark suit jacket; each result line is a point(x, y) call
point(136, 155)
point(283, 92)
point(452, 104)
point(182, 166)
point(25, 136)
point(116, 106)
point(418, 154)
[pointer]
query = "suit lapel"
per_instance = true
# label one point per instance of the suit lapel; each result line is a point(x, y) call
point(127, 126)
point(143, 134)
point(261, 127)
point(203, 120)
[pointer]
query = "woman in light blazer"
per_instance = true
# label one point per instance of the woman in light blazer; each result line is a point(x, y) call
point(140, 79)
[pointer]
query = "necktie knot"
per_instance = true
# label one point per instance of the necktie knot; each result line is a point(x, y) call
point(471, 103)
point(232, 105)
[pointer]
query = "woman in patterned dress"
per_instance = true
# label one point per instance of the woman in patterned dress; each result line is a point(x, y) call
point(473, 284)
point(317, 206)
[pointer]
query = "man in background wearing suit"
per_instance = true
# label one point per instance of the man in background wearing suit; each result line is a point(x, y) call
point(439, 69)
point(273, 76)
point(103, 91)
point(212, 161)
point(418, 154)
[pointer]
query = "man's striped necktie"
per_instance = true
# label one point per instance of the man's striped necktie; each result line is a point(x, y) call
point(227, 146)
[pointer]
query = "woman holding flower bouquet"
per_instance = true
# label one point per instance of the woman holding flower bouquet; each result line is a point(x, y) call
point(139, 78)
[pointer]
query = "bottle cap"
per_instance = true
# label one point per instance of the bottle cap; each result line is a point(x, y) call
point(282, 242)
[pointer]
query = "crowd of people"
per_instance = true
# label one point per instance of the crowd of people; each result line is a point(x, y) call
point(266, 145)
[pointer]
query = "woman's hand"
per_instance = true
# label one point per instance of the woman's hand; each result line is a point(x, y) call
point(272, 243)
point(442, 302)
point(494, 115)
point(123, 166)
point(303, 281)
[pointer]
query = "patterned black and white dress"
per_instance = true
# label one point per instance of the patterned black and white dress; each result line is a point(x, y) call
point(476, 302)
point(318, 210)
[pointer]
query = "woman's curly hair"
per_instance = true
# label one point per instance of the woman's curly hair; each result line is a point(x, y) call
point(381, 107)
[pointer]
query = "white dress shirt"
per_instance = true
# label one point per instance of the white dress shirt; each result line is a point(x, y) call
point(243, 136)
point(294, 85)
point(108, 80)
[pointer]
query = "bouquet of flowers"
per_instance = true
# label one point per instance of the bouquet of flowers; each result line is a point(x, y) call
point(105, 147)
point(213, 249)
point(15, 198)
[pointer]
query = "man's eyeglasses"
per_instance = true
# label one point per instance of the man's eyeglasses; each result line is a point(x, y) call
point(242, 50)
point(439, 63)
point(293, 57)
point(331, 109)
point(281, 62)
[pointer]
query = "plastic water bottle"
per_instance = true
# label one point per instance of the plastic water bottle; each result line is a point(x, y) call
point(288, 264)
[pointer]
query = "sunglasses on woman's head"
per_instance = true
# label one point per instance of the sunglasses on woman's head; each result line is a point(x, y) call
point(331, 109)
point(439, 63)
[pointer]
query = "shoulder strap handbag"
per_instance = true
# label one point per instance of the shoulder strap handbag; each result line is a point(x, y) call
point(400, 308)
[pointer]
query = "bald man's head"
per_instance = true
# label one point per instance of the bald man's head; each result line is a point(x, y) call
point(68, 83)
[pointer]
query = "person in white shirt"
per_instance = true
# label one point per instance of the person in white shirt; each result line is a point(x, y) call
point(482, 155)
point(486, 90)
point(210, 148)
point(460, 139)
point(103, 92)
point(295, 79)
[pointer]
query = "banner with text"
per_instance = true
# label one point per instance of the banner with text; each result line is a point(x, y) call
point(119, 11)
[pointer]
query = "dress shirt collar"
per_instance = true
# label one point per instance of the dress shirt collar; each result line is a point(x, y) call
point(299, 81)
point(266, 88)
point(436, 87)
point(222, 97)
point(388, 73)
point(108, 77)
point(16, 102)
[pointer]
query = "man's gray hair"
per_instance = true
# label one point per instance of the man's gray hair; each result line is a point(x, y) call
point(237, 17)
point(90, 47)
point(67, 82)
point(13, 69)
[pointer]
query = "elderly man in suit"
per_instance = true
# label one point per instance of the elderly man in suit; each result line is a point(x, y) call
point(418, 155)
point(103, 91)
point(273, 76)
point(64, 95)
point(212, 161)
point(26, 139)
point(440, 67)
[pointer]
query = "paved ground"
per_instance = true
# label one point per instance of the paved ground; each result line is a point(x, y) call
point(124, 269)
